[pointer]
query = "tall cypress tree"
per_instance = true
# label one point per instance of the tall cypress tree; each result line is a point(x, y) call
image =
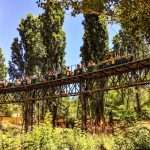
point(32, 43)
point(95, 39)
point(53, 34)
point(29, 51)
point(16, 65)
point(95, 45)
point(54, 40)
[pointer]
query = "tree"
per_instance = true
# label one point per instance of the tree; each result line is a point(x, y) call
point(3, 73)
point(95, 44)
point(97, 7)
point(53, 34)
point(135, 45)
point(95, 38)
point(132, 44)
point(134, 16)
point(16, 65)
point(3, 69)
point(53, 39)
point(32, 43)
point(29, 51)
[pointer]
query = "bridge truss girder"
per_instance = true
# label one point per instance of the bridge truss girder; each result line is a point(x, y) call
point(85, 85)
point(113, 82)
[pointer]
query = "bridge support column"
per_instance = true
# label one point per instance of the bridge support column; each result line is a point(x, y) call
point(54, 115)
point(43, 110)
point(100, 106)
point(138, 104)
point(28, 115)
point(53, 109)
point(84, 111)
point(83, 100)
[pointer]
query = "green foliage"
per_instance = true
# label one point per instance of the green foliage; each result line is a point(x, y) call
point(134, 16)
point(78, 6)
point(3, 68)
point(27, 53)
point(136, 139)
point(95, 44)
point(93, 6)
point(32, 42)
point(129, 117)
point(123, 105)
point(42, 42)
point(125, 41)
point(3, 73)
point(95, 39)
point(17, 64)
point(52, 34)
point(47, 138)
point(8, 143)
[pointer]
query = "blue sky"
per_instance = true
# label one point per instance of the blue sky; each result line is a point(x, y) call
point(11, 12)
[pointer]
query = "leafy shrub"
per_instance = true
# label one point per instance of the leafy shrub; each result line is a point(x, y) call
point(127, 117)
point(8, 143)
point(137, 139)
point(47, 138)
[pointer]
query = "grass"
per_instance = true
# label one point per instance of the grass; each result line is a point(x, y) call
point(45, 137)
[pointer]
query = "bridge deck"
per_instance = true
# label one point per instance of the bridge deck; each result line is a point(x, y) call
point(102, 73)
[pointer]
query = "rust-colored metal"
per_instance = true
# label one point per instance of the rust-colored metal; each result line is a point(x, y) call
point(136, 73)
point(121, 76)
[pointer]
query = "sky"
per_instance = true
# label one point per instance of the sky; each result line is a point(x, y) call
point(11, 12)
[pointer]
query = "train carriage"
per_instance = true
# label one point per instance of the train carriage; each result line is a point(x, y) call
point(110, 59)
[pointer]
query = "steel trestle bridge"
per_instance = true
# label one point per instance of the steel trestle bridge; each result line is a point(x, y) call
point(131, 74)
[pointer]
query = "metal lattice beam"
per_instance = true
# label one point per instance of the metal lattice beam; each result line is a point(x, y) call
point(121, 76)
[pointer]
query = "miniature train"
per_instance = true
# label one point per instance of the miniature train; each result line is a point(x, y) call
point(110, 60)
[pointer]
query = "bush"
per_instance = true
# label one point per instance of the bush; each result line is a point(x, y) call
point(47, 138)
point(127, 117)
point(137, 139)
point(8, 143)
